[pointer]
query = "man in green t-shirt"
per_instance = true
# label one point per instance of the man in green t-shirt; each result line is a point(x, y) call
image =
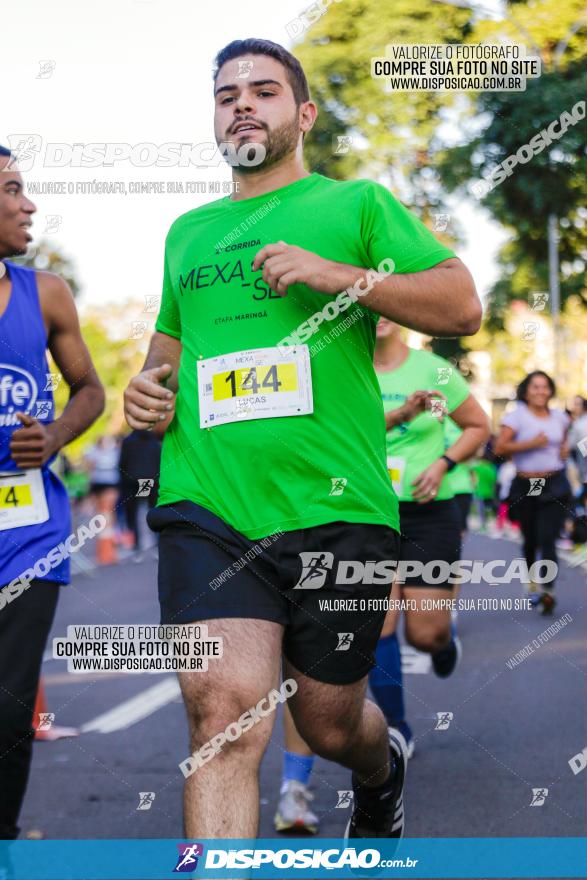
point(277, 518)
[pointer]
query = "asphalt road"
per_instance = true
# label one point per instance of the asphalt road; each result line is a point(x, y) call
point(513, 729)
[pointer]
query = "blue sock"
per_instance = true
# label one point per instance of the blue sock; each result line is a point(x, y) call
point(385, 680)
point(297, 767)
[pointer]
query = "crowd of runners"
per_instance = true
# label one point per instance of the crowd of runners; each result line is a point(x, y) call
point(348, 447)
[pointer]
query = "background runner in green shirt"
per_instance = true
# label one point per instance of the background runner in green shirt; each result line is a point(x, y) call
point(414, 444)
point(419, 389)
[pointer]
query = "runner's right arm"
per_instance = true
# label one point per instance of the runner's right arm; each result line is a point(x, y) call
point(149, 399)
point(415, 404)
point(505, 445)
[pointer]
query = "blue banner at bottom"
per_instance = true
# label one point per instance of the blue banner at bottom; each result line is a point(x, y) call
point(268, 859)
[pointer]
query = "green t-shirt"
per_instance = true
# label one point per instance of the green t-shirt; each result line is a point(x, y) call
point(460, 478)
point(413, 446)
point(486, 478)
point(290, 472)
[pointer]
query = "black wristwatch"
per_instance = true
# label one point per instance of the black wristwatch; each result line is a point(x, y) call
point(450, 462)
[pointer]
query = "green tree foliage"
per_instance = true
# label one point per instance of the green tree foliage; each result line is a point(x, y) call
point(407, 139)
point(391, 133)
point(44, 256)
point(554, 181)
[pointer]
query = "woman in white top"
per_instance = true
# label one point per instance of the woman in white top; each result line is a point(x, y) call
point(534, 434)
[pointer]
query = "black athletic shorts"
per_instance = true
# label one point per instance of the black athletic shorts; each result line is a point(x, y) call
point(208, 570)
point(430, 533)
point(463, 501)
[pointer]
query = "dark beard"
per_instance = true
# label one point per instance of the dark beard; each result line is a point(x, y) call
point(280, 142)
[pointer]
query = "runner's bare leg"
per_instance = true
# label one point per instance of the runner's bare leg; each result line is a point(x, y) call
point(339, 724)
point(221, 798)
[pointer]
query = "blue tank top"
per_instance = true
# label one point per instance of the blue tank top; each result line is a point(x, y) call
point(25, 386)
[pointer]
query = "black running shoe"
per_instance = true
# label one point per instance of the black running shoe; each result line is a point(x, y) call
point(546, 603)
point(446, 661)
point(380, 812)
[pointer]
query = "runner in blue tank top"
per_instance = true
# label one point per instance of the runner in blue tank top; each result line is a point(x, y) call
point(37, 313)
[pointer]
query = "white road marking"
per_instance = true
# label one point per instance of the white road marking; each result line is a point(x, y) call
point(415, 662)
point(154, 698)
point(135, 709)
point(575, 558)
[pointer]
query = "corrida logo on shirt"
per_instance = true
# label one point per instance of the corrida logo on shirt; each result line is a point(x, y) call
point(223, 272)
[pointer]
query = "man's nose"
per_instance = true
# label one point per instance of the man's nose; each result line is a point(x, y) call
point(244, 102)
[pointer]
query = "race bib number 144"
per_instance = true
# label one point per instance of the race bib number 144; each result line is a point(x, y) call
point(263, 383)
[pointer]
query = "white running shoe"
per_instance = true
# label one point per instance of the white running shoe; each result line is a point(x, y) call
point(293, 812)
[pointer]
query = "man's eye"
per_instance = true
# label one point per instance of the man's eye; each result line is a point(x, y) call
point(263, 93)
point(225, 100)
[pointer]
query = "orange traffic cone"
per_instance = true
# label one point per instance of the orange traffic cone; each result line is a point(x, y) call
point(106, 552)
point(43, 720)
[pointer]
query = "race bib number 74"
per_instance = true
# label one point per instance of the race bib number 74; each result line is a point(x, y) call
point(22, 499)
point(263, 383)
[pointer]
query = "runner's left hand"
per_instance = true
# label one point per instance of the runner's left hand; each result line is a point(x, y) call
point(425, 486)
point(33, 444)
point(284, 264)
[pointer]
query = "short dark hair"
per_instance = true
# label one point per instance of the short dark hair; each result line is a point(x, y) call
point(522, 390)
point(253, 46)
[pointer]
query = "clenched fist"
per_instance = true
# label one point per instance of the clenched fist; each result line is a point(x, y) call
point(33, 444)
point(147, 403)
